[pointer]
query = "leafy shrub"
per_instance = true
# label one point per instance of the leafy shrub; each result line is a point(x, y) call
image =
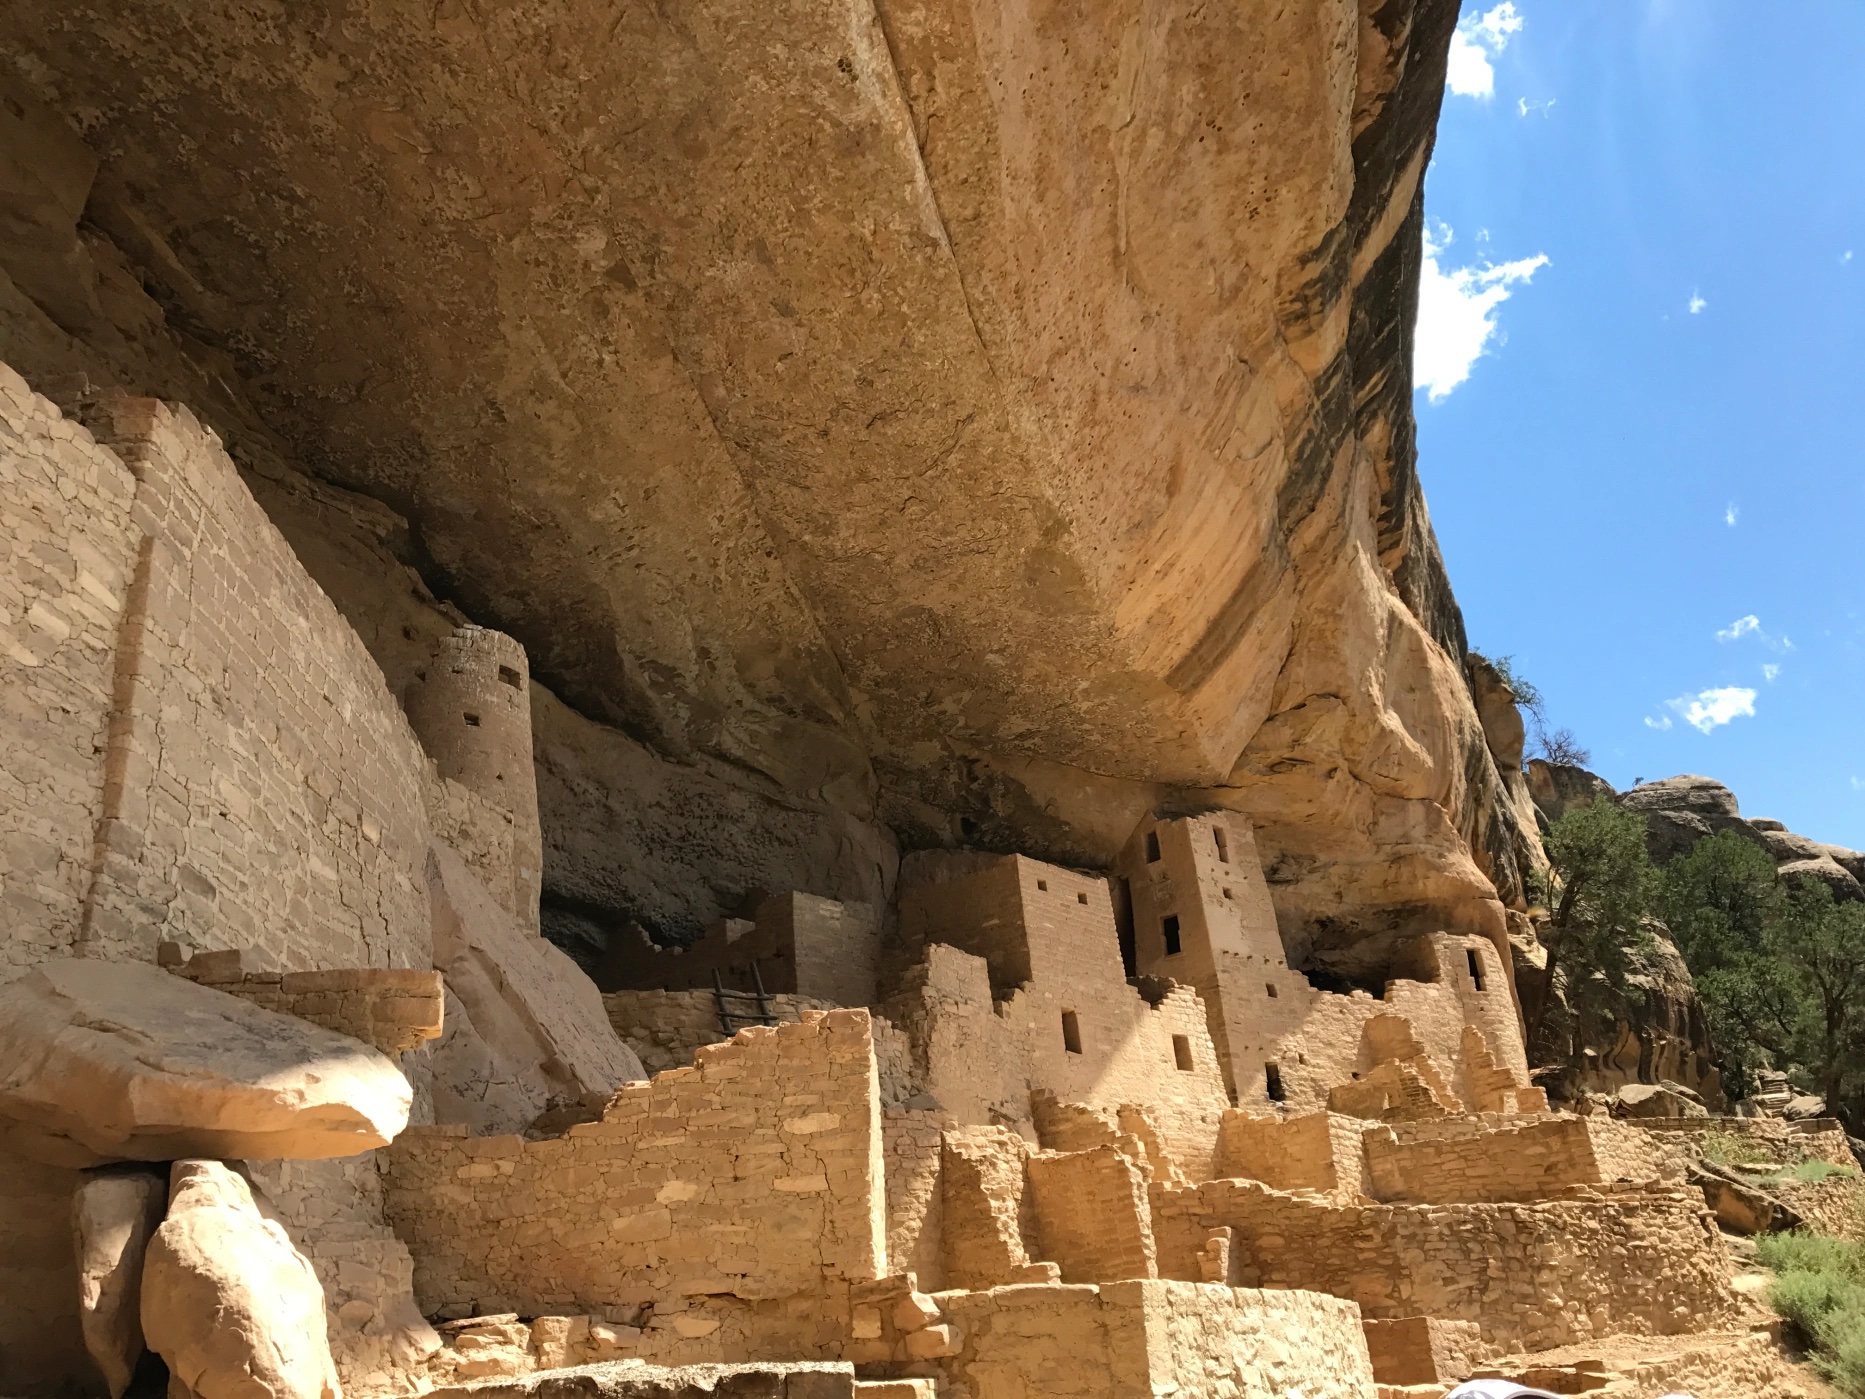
point(1732, 1149)
point(1820, 1287)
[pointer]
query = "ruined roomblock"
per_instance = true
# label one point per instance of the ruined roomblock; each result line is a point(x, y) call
point(1022, 992)
point(1641, 1259)
point(1318, 1151)
point(1493, 1158)
point(799, 944)
point(1142, 1339)
point(754, 1176)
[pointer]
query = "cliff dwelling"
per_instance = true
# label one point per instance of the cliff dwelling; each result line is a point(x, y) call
point(760, 702)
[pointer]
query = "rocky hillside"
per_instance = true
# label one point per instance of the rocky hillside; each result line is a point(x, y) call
point(884, 425)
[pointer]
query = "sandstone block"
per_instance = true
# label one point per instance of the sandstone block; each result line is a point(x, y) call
point(227, 1300)
point(107, 1061)
point(113, 1215)
point(933, 1342)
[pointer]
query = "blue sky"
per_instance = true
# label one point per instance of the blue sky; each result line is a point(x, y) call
point(1641, 368)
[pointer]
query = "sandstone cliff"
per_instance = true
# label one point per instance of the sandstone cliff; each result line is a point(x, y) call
point(914, 421)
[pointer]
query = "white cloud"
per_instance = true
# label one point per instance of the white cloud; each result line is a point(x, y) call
point(1696, 302)
point(1846, 256)
point(1857, 785)
point(1523, 106)
point(1751, 626)
point(1710, 709)
point(1457, 313)
point(1730, 514)
point(1477, 40)
point(1661, 723)
point(1768, 672)
point(1739, 628)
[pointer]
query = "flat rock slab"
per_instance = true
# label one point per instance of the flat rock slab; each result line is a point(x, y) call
point(116, 1061)
point(637, 1379)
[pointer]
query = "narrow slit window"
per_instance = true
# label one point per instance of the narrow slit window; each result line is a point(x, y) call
point(1071, 1032)
point(1270, 987)
point(508, 676)
point(472, 721)
point(1169, 929)
point(1272, 1082)
point(1223, 844)
point(1182, 1053)
point(1152, 847)
point(1476, 967)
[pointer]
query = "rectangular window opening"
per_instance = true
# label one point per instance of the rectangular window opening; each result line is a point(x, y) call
point(1476, 967)
point(508, 676)
point(1270, 987)
point(1071, 1032)
point(1152, 847)
point(1229, 895)
point(472, 721)
point(1272, 1082)
point(1043, 884)
point(1223, 845)
point(1182, 1053)
point(1081, 898)
point(1169, 929)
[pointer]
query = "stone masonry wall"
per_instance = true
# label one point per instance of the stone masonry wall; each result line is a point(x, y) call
point(913, 1143)
point(1501, 1158)
point(756, 1175)
point(1320, 1151)
point(1634, 1259)
point(1137, 1340)
point(1092, 1215)
point(394, 1009)
point(67, 555)
point(263, 788)
point(667, 1028)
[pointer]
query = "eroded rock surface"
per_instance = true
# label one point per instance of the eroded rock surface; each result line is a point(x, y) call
point(945, 426)
point(227, 1300)
point(525, 1028)
point(112, 1061)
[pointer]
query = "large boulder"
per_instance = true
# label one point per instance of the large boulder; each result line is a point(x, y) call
point(1680, 811)
point(1664, 1099)
point(114, 1061)
point(227, 1300)
point(113, 1214)
point(526, 1033)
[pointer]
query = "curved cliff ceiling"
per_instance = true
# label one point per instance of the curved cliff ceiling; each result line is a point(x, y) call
point(853, 386)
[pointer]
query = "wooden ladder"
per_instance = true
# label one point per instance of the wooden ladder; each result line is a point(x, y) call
point(723, 998)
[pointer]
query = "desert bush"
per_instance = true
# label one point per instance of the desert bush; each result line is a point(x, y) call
point(1819, 1286)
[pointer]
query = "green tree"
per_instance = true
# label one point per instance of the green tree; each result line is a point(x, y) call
point(1720, 900)
point(1598, 933)
point(1779, 967)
